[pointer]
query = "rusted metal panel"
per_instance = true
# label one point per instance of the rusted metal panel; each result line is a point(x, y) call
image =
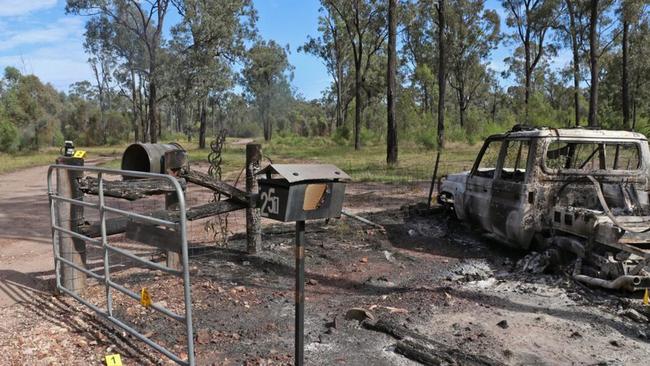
point(295, 173)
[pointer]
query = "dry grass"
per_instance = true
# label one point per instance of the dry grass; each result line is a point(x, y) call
point(367, 164)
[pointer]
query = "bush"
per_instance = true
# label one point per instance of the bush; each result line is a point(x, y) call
point(427, 139)
point(341, 135)
point(9, 139)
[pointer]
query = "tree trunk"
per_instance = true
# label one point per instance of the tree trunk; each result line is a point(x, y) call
point(442, 78)
point(339, 98)
point(576, 60)
point(391, 138)
point(527, 73)
point(202, 125)
point(593, 63)
point(462, 104)
point(153, 111)
point(625, 87)
point(357, 104)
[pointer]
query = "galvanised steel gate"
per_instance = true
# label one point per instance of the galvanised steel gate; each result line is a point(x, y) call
point(56, 200)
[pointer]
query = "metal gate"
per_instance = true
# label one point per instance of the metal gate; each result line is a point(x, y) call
point(101, 242)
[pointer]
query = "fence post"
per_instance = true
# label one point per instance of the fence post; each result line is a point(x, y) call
point(253, 219)
point(172, 161)
point(70, 217)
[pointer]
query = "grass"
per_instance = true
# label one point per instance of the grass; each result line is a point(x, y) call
point(367, 164)
point(12, 162)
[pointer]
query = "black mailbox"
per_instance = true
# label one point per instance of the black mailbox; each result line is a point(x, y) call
point(299, 192)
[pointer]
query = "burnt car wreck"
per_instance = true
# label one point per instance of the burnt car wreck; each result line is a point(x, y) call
point(578, 191)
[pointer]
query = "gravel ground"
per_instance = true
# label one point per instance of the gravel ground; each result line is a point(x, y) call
point(425, 272)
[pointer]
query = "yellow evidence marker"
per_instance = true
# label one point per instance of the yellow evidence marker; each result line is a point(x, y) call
point(79, 154)
point(646, 297)
point(145, 298)
point(113, 360)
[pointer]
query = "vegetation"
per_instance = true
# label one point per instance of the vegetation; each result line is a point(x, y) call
point(213, 71)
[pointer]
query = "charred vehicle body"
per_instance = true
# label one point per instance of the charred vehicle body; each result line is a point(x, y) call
point(582, 191)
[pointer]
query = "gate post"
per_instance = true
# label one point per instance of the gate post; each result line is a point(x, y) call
point(70, 217)
point(173, 161)
point(253, 218)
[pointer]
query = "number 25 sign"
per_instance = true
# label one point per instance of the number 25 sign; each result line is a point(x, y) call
point(270, 202)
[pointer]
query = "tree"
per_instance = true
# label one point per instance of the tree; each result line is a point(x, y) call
point(264, 71)
point(209, 40)
point(419, 49)
point(391, 83)
point(630, 11)
point(98, 45)
point(532, 20)
point(366, 32)
point(639, 63)
point(147, 24)
point(600, 27)
point(573, 28)
point(332, 49)
point(442, 72)
point(473, 34)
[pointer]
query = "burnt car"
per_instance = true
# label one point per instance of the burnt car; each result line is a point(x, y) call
point(579, 191)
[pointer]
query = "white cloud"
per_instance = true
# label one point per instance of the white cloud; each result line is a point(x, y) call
point(59, 66)
point(58, 31)
point(21, 7)
point(53, 52)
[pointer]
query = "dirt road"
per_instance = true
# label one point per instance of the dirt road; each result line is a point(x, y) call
point(26, 263)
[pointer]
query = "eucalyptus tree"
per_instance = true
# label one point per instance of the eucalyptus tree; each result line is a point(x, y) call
point(572, 28)
point(602, 36)
point(210, 40)
point(265, 71)
point(630, 13)
point(532, 20)
point(391, 85)
point(334, 51)
point(365, 29)
point(473, 34)
point(145, 20)
point(418, 48)
point(98, 45)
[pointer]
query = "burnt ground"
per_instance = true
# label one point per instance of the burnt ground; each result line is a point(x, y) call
point(425, 272)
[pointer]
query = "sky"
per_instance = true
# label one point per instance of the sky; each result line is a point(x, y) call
point(37, 37)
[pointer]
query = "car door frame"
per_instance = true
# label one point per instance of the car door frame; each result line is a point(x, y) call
point(478, 189)
point(511, 203)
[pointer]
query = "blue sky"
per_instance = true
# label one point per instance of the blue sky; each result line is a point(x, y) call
point(36, 36)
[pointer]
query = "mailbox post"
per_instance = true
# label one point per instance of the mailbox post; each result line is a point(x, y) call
point(300, 192)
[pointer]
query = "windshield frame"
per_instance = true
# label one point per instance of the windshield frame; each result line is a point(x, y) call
point(640, 170)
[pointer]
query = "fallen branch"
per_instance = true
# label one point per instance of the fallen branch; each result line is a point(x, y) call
point(207, 181)
point(128, 189)
point(417, 347)
point(118, 225)
point(359, 218)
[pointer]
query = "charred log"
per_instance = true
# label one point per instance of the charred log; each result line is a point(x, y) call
point(207, 181)
point(417, 347)
point(129, 189)
point(119, 224)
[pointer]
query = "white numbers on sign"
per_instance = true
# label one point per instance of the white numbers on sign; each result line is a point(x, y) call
point(270, 202)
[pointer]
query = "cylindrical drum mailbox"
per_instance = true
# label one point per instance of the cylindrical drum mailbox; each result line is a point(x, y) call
point(149, 158)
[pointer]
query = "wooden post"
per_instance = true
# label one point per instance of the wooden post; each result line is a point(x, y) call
point(253, 218)
point(70, 217)
point(173, 258)
point(173, 161)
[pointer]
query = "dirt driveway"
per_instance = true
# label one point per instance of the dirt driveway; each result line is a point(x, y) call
point(26, 263)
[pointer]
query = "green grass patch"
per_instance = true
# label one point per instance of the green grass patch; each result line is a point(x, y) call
point(367, 164)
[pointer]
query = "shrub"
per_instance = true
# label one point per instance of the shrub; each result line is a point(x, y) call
point(9, 138)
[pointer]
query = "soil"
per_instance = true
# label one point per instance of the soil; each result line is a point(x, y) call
point(426, 272)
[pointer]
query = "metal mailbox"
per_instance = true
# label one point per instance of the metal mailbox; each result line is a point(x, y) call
point(299, 192)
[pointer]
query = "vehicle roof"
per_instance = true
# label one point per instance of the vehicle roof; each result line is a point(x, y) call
point(573, 133)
